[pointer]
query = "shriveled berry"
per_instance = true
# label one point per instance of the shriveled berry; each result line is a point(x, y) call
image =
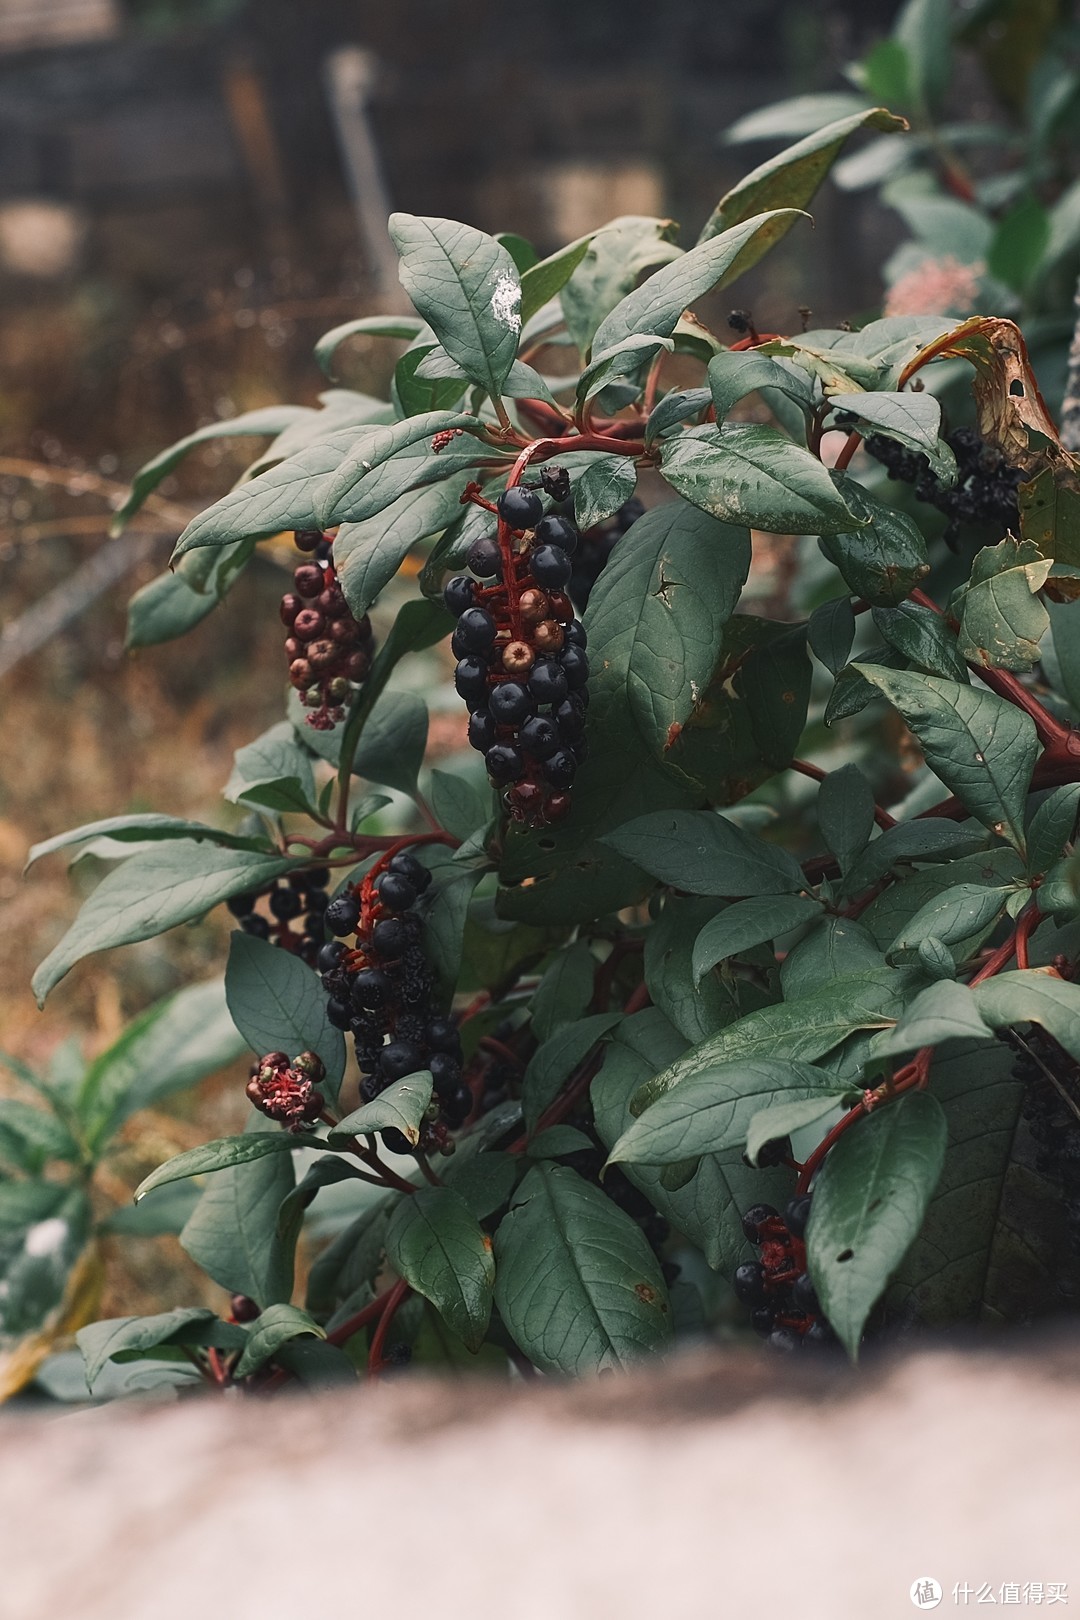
point(525, 800)
point(396, 892)
point(343, 914)
point(533, 605)
point(557, 531)
point(459, 594)
point(549, 566)
point(520, 508)
point(752, 1221)
point(504, 763)
point(555, 481)
point(485, 558)
point(510, 703)
point(548, 636)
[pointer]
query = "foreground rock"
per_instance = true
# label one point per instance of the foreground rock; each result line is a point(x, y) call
point(722, 1485)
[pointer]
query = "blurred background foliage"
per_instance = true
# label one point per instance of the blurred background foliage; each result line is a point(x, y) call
point(179, 222)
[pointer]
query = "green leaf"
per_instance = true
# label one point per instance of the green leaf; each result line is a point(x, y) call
point(543, 281)
point(555, 1060)
point(924, 31)
point(943, 1012)
point(139, 829)
point(671, 584)
point(447, 914)
point(121, 1335)
point(30, 1137)
point(278, 1004)
point(466, 287)
point(755, 475)
point(405, 327)
point(559, 1141)
point(624, 359)
point(794, 116)
point(275, 1327)
point(174, 603)
point(400, 1107)
point(384, 463)
point(1052, 827)
point(38, 1254)
point(266, 420)
point(658, 303)
point(748, 923)
point(612, 264)
point(1002, 620)
point(983, 748)
point(393, 741)
point(223, 1154)
point(369, 554)
point(437, 1246)
point(910, 841)
point(883, 560)
point(564, 991)
point(680, 405)
point(519, 248)
point(172, 1045)
point(1019, 242)
point(605, 485)
point(735, 373)
point(830, 633)
point(152, 892)
point(801, 1030)
point(832, 949)
point(1033, 996)
point(869, 1202)
point(790, 179)
point(426, 379)
point(912, 419)
point(281, 497)
point(923, 636)
point(704, 853)
point(955, 915)
point(598, 1299)
point(696, 1010)
point(457, 804)
point(163, 1214)
point(233, 1233)
point(774, 1123)
point(273, 771)
point(845, 813)
point(711, 1110)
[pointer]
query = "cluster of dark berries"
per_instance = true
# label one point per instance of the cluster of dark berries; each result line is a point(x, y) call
point(382, 988)
point(287, 1089)
point(299, 899)
point(329, 651)
point(1047, 1070)
point(985, 488)
point(596, 547)
point(522, 666)
point(784, 1308)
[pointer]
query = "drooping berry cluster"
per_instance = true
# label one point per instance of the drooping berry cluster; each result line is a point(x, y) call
point(784, 1305)
point(985, 488)
point(329, 651)
point(299, 899)
point(1051, 1077)
point(382, 990)
point(595, 550)
point(522, 666)
point(287, 1090)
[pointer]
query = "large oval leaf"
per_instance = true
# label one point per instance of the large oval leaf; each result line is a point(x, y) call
point(757, 476)
point(437, 1245)
point(278, 1004)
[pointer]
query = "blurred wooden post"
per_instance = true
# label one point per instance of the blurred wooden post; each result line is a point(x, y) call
point(249, 115)
point(350, 75)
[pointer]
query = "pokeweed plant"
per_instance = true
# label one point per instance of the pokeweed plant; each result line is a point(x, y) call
point(64, 1143)
point(661, 997)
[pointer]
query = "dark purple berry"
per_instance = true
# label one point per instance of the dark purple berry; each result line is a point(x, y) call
point(550, 567)
point(797, 1214)
point(785, 1339)
point(442, 1035)
point(342, 915)
point(470, 680)
point(569, 716)
point(285, 903)
point(329, 956)
point(749, 1283)
point(407, 866)
point(575, 665)
point(338, 1014)
point(561, 768)
point(445, 1071)
point(574, 633)
point(763, 1319)
point(370, 988)
point(242, 905)
point(547, 683)
point(485, 558)
point(509, 703)
point(804, 1295)
point(459, 595)
point(389, 938)
point(482, 730)
point(476, 630)
point(540, 737)
point(559, 532)
point(396, 892)
point(255, 925)
point(400, 1058)
point(504, 763)
point(520, 508)
point(752, 1221)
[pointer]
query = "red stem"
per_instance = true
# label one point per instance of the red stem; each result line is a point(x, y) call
point(394, 1299)
point(816, 774)
point(842, 460)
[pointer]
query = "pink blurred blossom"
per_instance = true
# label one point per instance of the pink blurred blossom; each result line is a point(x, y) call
point(936, 287)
